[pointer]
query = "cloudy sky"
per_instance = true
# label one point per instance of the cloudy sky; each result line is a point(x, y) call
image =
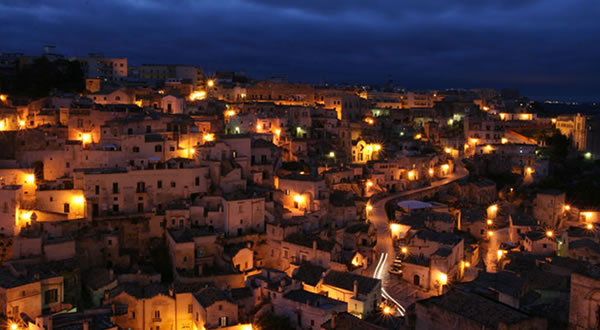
point(546, 48)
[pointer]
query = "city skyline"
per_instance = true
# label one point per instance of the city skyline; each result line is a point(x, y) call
point(544, 50)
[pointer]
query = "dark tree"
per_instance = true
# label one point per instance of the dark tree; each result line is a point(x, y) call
point(270, 321)
point(42, 76)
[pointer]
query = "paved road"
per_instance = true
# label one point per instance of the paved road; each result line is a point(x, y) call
point(385, 245)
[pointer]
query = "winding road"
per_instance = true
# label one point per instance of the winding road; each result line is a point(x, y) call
point(385, 245)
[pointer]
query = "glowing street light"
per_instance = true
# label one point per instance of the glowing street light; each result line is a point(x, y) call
point(369, 121)
point(490, 222)
point(29, 178)
point(21, 123)
point(3, 97)
point(369, 184)
point(447, 150)
point(567, 207)
point(549, 233)
point(277, 131)
point(504, 140)
point(14, 326)
point(331, 154)
point(387, 310)
point(86, 138)
point(467, 264)
point(443, 279)
point(230, 113)
point(431, 171)
point(590, 226)
point(490, 233)
point(404, 250)
point(418, 136)
point(298, 198)
point(369, 207)
point(377, 147)
point(208, 137)
point(80, 200)
point(210, 83)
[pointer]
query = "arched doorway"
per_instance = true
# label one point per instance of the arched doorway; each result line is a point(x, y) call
point(417, 280)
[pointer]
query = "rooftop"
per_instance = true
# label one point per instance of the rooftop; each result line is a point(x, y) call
point(346, 280)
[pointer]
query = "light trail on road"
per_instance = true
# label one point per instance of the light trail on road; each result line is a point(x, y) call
point(378, 274)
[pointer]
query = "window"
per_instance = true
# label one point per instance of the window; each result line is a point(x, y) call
point(148, 129)
point(141, 187)
point(97, 188)
point(157, 314)
point(115, 187)
point(67, 165)
point(67, 208)
point(51, 296)
point(190, 308)
point(133, 315)
point(158, 148)
point(159, 184)
point(197, 181)
point(220, 307)
point(136, 149)
point(110, 242)
point(173, 184)
point(129, 131)
point(115, 207)
point(287, 191)
point(285, 254)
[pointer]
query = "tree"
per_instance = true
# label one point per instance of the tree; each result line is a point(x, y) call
point(269, 321)
point(559, 146)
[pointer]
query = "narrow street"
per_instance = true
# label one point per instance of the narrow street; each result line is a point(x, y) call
point(385, 247)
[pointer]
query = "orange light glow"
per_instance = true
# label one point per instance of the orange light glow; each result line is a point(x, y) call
point(502, 116)
point(79, 200)
point(504, 140)
point(567, 207)
point(590, 226)
point(418, 137)
point(21, 123)
point(197, 95)
point(208, 137)
point(404, 250)
point(369, 121)
point(298, 198)
point(387, 310)
point(549, 233)
point(369, 207)
point(377, 147)
point(490, 222)
point(447, 150)
point(278, 131)
point(587, 215)
point(355, 262)
point(3, 97)
point(490, 233)
point(431, 171)
point(494, 208)
point(529, 170)
point(467, 264)
point(411, 175)
point(445, 167)
point(29, 178)
point(369, 183)
point(25, 215)
point(230, 113)
point(210, 83)
point(488, 148)
point(443, 279)
point(86, 138)
point(191, 151)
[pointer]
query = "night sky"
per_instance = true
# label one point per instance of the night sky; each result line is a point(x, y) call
point(546, 48)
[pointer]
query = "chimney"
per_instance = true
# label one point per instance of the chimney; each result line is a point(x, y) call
point(355, 288)
point(314, 246)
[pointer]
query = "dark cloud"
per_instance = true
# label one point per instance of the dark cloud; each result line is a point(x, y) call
point(545, 47)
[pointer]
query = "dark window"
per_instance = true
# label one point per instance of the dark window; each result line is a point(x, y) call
point(115, 187)
point(159, 184)
point(140, 207)
point(158, 148)
point(130, 131)
point(67, 208)
point(197, 181)
point(148, 129)
point(173, 184)
point(51, 296)
point(115, 207)
point(136, 149)
point(97, 188)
